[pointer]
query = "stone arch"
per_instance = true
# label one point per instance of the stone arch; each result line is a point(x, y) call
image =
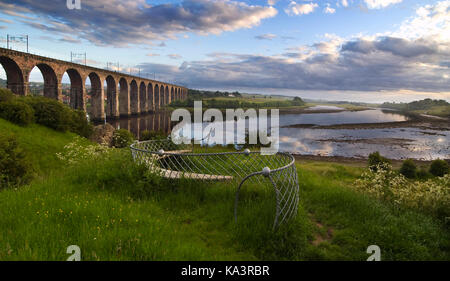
point(162, 98)
point(157, 97)
point(77, 96)
point(143, 98)
point(97, 98)
point(112, 101)
point(150, 97)
point(134, 97)
point(172, 94)
point(50, 80)
point(167, 95)
point(14, 76)
point(124, 97)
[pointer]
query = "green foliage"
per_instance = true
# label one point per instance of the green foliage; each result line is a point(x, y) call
point(14, 166)
point(122, 138)
point(17, 111)
point(439, 168)
point(6, 95)
point(152, 135)
point(409, 169)
point(53, 114)
point(298, 101)
point(416, 105)
point(423, 174)
point(50, 113)
point(376, 161)
point(79, 123)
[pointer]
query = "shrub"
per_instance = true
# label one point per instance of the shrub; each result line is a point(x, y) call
point(409, 169)
point(17, 112)
point(79, 123)
point(432, 195)
point(423, 174)
point(79, 150)
point(50, 113)
point(6, 95)
point(146, 135)
point(14, 166)
point(152, 135)
point(376, 161)
point(439, 168)
point(122, 138)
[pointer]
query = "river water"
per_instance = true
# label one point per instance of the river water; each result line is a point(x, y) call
point(394, 143)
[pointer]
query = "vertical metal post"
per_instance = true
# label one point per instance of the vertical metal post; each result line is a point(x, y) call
point(7, 41)
point(27, 43)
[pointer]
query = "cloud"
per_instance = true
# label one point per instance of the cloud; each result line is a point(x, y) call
point(125, 22)
point(344, 3)
point(267, 36)
point(398, 62)
point(329, 10)
point(272, 2)
point(379, 4)
point(174, 56)
point(300, 9)
point(152, 55)
point(68, 39)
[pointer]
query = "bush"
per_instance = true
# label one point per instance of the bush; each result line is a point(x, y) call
point(122, 138)
point(409, 169)
point(376, 161)
point(439, 168)
point(6, 95)
point(50, 113)
point(423, 174)
point(152, 135)
point(79, 123)
point(17, 112)
point(14, 167)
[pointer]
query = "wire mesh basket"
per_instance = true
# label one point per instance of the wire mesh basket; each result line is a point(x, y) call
point(173, 161)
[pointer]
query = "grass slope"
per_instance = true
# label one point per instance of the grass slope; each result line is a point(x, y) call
point(114, 210)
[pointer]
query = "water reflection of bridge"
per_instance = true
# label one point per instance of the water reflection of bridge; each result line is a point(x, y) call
point(159, 121)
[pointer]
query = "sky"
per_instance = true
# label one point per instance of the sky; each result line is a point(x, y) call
point(356, 50)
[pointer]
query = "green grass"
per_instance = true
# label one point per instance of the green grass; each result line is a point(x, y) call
point(114, 210)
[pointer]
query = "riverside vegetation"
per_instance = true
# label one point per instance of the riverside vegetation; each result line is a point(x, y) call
point(80, 193)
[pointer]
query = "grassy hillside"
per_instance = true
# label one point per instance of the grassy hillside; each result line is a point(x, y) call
point(115, 210)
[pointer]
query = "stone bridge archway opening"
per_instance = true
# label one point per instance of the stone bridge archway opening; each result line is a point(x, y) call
point(150, 97)
point(94, 94)
point(14, 75)
point(134, 97)
point(124, 97)
point(157, 97)
point(143, 106)
point(112, 101)
point(162, 97)
point(43, 73)
point(75, 93)
point(167, 96)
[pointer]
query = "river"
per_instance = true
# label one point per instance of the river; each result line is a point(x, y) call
point(394, 143)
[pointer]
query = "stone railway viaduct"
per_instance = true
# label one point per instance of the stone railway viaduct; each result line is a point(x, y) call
point(125, 94)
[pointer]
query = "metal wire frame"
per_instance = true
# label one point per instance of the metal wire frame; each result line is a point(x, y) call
point(173, 161)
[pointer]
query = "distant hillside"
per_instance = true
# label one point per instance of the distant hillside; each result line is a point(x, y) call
point(426, 106)
point(2, 83)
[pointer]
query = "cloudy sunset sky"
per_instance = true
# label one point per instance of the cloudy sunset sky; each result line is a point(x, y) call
point(359, 50)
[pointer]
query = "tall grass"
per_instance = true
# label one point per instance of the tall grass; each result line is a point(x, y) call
point(115, 210)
